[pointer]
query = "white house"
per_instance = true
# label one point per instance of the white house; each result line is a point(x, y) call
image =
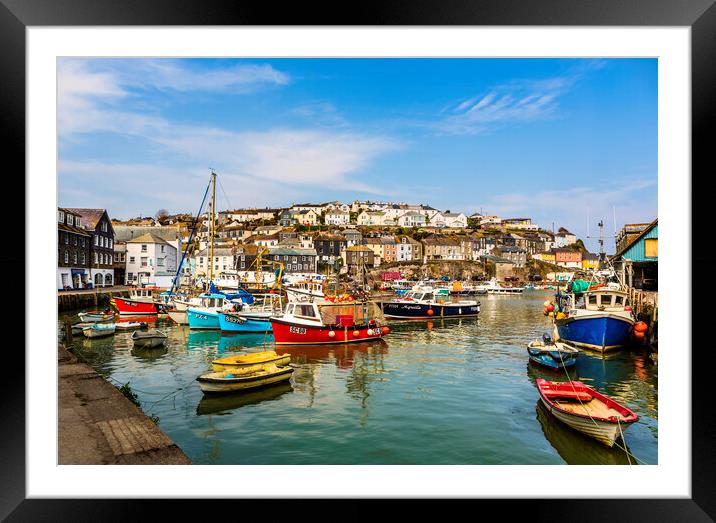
point(151, 260)
point(223, 261)
point(412, 219)
point(404, 249)
point(455, 219)
point(371, 218)
point(337, 217)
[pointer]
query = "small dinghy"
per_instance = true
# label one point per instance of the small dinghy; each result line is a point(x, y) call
point(586, 410)
point(96, 316)
point(131, 325)
point(234, 380)
point(253, 359)
point(549, 353)
point(149, 340)
point(78, 327)
point(98, 330)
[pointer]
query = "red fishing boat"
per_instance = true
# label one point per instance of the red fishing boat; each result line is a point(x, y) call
point(586, 410)
point(325, 322)
point(140, 301)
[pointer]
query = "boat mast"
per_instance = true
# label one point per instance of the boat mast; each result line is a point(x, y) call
point(211, 227)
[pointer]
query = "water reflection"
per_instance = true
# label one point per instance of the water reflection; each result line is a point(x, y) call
point(225, 403)
point(574, 447)
point(149, 354)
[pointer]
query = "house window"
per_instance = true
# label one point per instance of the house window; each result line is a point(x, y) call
point(130, 276)
point(67, 257)
point(70, 220)
point(84, 259)
point(651, 248)
point(60, 216)
point(160, 262)
point(95, 258)
point(162, 248)
point(143, 262)
point(144, 248)
point(243, 265)
point(67, 239)
point(131, 259)
point(96, 240)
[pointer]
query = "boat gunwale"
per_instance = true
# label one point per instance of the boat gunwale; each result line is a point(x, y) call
point(630, 417)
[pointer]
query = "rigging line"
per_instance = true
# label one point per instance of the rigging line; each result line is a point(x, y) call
point(228, 202)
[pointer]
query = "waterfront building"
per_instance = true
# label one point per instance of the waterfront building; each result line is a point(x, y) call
point(590, 261)
point(439, 247)
point(404, 249)
point(73, 247)
point(120, 262)
point(359, 256)
point(568, 258)
point(628, 233)
point(638, 261)
point(517, 255)
point(245, 257)
point(295, 260)
point(101, 245)
point(328, 247)
point(151, 260)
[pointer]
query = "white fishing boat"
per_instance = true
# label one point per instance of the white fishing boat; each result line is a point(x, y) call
point(178, 316)
point(99, 330)
point(493, 287)
point(149, 339)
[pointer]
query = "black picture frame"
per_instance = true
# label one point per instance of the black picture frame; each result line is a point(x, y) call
point(699, 15)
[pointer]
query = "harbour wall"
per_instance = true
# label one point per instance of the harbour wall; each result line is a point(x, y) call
point(67, 301)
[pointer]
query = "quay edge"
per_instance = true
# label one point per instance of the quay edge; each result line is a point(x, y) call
point(98, 425)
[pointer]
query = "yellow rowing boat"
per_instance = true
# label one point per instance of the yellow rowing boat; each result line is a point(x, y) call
point(237, 380)
point(250, 360)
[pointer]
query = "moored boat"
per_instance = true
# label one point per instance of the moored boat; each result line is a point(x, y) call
point(552, 354)
point(77, 327)
point(426, 303)
point(130, 325)
point(252, 359)
point(178, 316)
point(586, 410)
point(318, 323)
point(99, 330)
point(96, 316)
point(151, 339)
point(234, 380)
point(599, 319)
point(206, 316)
point(493, 287)
point(142, 300)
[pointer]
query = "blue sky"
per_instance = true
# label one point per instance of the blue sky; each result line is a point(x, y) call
point(556, 140)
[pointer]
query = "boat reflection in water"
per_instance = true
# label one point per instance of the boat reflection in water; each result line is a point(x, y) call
point(149, 354)
point(342, 355)
point(223, 404)
point(574, 447)
point(252, 342)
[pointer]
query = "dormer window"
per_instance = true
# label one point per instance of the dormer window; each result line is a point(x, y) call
point(60, 216)
point(70, 219)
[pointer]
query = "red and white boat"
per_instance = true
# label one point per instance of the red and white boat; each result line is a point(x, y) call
point(141, 301)
point(325, 322)
point(586, 410)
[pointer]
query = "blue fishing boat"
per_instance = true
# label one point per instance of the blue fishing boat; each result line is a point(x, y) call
point(236, 322)
point(599, 319)
point(428, 303)
point(552, 354)
point(206, 316)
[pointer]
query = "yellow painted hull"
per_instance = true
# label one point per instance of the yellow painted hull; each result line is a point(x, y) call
point(235, 380)
point(251, 360)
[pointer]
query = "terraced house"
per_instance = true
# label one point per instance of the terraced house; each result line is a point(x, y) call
point(101, 248)
point(73, 243)
point(295, 260)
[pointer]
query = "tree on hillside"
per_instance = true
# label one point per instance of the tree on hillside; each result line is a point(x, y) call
point(161, 214)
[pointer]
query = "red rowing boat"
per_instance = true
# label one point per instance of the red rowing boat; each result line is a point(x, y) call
point(586, 410)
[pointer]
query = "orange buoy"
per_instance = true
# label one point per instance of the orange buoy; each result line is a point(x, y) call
point(640, 326)
point(430, 312)
point(550, 307)
point(639, 335)
point(386, 330)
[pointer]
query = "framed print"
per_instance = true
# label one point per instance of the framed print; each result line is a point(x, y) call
point(412, 254)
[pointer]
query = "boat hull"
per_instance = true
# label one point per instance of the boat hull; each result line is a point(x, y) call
point(149, 343)
point(601, 332)
point(235, 323)
point(288, 333)
point(248, 361)
point(91, 332)
point(132, 307)
point(415, 311)
point(88, 317)
point(553, 359)
point(178, 317)
point(216, 386)
point(202, 319)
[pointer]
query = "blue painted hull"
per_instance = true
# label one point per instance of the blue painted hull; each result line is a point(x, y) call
point(202, 319)
point(601, 333)
point(414, 311)
point(552, 359)
point(231, 323)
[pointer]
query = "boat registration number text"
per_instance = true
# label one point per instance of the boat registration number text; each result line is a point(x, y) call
point(297, 330)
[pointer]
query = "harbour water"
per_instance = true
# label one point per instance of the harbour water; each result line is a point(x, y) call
point(432, 392)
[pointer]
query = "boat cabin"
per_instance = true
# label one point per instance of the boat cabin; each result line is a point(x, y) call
point(607, 300)
point(212, 301)
point(146, 294)
point(338, 314)
point(427, 294)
